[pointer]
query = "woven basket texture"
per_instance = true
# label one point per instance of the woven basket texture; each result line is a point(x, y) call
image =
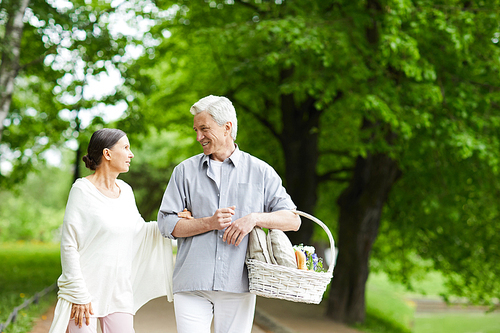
point(292, 284)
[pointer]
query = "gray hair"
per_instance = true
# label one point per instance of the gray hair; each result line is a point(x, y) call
point(220, 108)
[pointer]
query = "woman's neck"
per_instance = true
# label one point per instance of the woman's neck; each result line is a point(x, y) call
point(105, 182)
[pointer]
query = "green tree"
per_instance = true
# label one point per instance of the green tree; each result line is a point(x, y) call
point(34, 209)
point(11, 45)
point(53, 54)
point(361, 93)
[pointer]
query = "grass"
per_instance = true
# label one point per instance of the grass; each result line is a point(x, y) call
point(390, 310)
point(386, 310)
point(27, 268)
point(458, 323)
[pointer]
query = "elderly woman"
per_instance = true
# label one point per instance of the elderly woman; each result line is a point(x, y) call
point(112, 261)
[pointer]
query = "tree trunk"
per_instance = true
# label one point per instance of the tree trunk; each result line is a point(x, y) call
point(78, 153)
point(361, 205)
point(76, 169)
point(11, 50)
point(299, 140)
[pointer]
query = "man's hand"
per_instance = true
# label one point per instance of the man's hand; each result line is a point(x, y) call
point(80, 311)
point(187, 227)
point(283, 220)
point(185, 214)
point(222, 218)
point(235, 233)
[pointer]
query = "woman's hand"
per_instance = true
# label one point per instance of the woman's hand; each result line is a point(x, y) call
point(80, 311)
point(185, 214)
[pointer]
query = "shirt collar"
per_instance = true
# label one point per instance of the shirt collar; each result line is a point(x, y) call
point(234, 158)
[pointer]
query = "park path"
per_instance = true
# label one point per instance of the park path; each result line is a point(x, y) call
point(434, 305)
point(271, 316)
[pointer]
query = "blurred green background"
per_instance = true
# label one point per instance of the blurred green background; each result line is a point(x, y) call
point(381, 116)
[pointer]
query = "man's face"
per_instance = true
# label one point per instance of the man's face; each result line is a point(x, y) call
point(212, 137)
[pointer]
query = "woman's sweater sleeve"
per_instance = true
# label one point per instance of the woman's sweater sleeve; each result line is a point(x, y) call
point(71, 283)
point(153, 264)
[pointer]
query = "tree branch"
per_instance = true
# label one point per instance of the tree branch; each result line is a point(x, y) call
point(40, 58)
point(485, 85)
point(339, 179)
point(335, 152)
point(263, 120)
point(495, 105)
point(219, 63)
point(329, 175)
point(83, 26)
point(251, 6)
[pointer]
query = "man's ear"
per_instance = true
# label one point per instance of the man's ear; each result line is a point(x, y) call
point(228, 127)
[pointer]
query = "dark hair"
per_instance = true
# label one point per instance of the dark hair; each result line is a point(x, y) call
point(103, 138)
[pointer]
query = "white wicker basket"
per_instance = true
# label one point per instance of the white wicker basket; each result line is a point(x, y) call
point(292, 284)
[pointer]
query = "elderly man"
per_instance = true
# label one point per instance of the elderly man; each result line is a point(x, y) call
point(229, 192)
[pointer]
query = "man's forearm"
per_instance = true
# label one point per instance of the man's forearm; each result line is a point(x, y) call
point(191, 227)
point(283, 220)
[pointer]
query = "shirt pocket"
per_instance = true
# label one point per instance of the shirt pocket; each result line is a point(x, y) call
point(250, 198)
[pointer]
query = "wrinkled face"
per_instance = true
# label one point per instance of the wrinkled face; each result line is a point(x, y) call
point(119, 155)
point(212, 137)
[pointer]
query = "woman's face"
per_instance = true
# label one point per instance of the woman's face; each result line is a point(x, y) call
point(120, 155)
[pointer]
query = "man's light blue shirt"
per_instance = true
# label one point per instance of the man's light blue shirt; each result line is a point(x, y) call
point(205, 262)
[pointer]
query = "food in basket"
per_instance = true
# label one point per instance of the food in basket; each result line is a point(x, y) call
point(301, 259)
point(276, 281)
point(312, 261)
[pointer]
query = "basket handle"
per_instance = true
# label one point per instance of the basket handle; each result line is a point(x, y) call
point(330, 237)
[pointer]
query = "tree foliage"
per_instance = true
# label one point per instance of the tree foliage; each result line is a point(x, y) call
point(156, 155)
point(381, 115)
point(339, 91)
point(66, 49)
point(34, 209)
